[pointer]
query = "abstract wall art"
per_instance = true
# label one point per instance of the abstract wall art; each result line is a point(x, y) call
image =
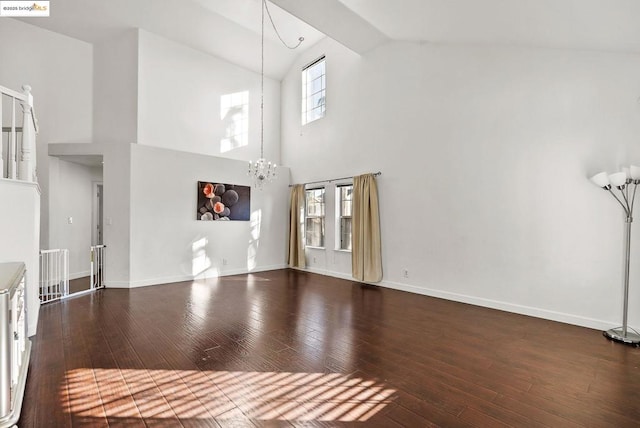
point(223, 202)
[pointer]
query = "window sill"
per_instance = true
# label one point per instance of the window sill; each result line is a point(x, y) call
point(314, 248)
point(340, 250)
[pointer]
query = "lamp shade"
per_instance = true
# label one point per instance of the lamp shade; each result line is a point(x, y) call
point(618, 179)
point(601, 179)
point(634, 172)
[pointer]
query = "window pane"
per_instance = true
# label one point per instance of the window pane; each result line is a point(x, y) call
point(315, 202)
point(314, 230)
point(314, 114)
point(313, 92)
point(316, 85)
point(346, 209)
point(314, 221)
point(347, 192)
point(316, 70)
point(346, 196)
point(345, 235)
point(309, 104)
point(317, 99)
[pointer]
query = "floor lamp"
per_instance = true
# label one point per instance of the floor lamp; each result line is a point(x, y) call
point(623, 181)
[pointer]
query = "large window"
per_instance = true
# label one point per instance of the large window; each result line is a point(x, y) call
point(314, 217)
point(313, 91)
point(344, 196)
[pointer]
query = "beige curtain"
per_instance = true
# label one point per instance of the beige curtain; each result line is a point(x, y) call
point(296, 247)
point(366, 253)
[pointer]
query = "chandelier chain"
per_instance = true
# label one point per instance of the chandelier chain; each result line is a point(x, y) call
point(300, 39)
point(264, 2)
point(262, 171)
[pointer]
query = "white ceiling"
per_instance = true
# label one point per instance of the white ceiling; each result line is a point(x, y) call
point(231, 28)
point(575, 24)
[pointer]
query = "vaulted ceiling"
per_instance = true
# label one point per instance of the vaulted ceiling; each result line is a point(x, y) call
point(230, 29)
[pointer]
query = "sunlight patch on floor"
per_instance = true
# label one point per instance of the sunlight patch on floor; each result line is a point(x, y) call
point(135, 393)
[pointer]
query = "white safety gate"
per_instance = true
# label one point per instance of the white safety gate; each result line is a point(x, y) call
point(97, 264)
point(54, 274)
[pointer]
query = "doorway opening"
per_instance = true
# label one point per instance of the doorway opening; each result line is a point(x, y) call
point(97, 250)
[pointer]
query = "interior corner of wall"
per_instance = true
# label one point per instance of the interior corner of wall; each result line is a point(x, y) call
point(32, 327)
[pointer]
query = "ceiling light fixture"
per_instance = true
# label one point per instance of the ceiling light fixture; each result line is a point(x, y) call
point(263, 171)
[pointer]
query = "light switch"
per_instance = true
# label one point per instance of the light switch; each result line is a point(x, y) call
point(70, 220)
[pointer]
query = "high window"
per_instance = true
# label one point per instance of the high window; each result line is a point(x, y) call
point(313, 91)
point(344, 209)
point(314, 217)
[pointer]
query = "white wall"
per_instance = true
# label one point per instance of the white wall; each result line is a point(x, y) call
point(19, 220)
point(168, 244)
point(115, 129)
point(117, 213)
point(72, 197)
point(59, 69)
point(116, 89)
point(179, 101)
point(485, 154)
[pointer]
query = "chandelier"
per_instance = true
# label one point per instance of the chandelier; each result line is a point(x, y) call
point(263, 171)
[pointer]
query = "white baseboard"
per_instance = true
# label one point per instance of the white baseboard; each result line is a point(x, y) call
point(456, 297)
point(479, 301)
point(183, 278)
point(77, 275)
point(505, 306)
point(116, 284)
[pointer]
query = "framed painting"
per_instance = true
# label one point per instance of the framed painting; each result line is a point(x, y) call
point(223, 202)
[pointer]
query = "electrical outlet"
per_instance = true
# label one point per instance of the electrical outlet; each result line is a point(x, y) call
point(314, 260)
point(224, 262)
point(405, 273)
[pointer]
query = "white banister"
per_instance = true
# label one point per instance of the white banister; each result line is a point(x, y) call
point(25, 171)
point(1, 138)
point(11, 151)
point(21, 141)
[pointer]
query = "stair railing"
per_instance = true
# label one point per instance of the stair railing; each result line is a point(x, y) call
point(20, 140)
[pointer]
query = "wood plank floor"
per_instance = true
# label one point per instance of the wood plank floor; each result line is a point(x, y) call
point(79, 284)
point(289, 348)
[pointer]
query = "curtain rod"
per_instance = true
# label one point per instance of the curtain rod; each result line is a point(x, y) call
point(375, 174)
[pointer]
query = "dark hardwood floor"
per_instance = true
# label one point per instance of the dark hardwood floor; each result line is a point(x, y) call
point(288, 348)
point(79, 284)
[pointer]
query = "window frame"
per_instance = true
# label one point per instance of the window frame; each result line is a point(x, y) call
point(321, 216)
point(306, 95)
